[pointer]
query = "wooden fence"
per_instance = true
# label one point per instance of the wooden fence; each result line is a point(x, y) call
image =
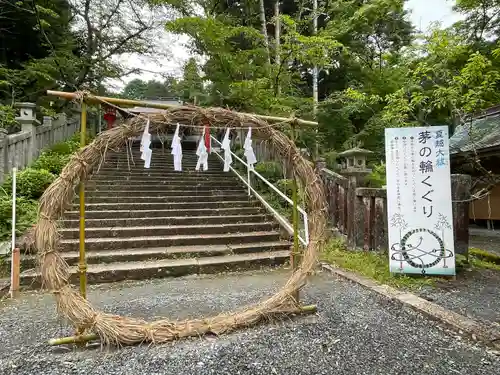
point(22, 148)
point(359, 214)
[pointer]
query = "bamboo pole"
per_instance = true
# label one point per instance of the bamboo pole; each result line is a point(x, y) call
point(82, 264)
point(15, 254)
point(315, 81)
point(78, 339)
point(295, 222)
point(92, 99)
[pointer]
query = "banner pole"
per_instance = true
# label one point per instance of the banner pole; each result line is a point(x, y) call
point(82, 264)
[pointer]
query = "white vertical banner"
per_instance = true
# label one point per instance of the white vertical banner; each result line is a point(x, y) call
point(419, 207)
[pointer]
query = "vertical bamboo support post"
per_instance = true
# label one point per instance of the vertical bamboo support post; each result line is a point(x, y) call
point(295, 220)
point(82, 264)
point(15, 253)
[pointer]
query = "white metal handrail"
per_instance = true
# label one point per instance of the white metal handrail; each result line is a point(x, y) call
point(284, 222)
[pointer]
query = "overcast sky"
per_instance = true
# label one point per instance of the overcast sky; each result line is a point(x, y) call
point(423, 13)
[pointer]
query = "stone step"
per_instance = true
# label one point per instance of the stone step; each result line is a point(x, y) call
point(114, 221)
point(157, 253)
point(168, 230)
point(112, 272)
point(197, 197)
point(158, 153)
point(164, 205)
point(110, 243)
point(165, 184)
point(150, 213)
point(158, 164)
point(168, 176)
point(147, 179)
point(159, 172)
point(104, 192)
point(123, 162)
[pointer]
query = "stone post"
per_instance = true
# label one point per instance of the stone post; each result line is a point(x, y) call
point(320, 164)
point(460, 195)
point(47, 121)
point(4, 157)
point(28, 122)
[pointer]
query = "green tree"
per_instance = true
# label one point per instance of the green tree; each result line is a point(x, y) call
point(191, 85)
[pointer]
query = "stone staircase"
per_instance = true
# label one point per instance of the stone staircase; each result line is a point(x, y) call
point(161, 223)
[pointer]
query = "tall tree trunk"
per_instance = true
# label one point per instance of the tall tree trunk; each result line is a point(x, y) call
point(315, 75)
point(262, 11)
point(277, 36)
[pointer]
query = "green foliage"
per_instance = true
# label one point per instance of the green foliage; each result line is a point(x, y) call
point(64, 148)
point(377, 179)
point(286, 186)
point(270, 170)
point(26, 214)
point(51, 161)
point(138, 89)
point(331, 159)
point(481, 255)
point(31, 183)
point(74, 141)
point(58, 155)
point(7, 116)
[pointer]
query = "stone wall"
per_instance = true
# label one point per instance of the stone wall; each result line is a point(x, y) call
point(22, 148)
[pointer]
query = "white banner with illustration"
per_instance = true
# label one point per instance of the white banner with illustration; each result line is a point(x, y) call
point(419, 201)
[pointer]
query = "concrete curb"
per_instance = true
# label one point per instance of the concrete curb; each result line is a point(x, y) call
point(458, 323)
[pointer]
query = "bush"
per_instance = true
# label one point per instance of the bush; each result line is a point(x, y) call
point(52, 162)
point(7, 116)
point(31, 183)
point(376, 179)
point(75, 138)
point(26, 213)
point(270, 170)
point(63, 148)
point(285, 185)
point(331, 160)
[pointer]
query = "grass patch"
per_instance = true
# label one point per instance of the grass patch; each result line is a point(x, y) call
point(479, 254)
point(371, 264)
point(478, 259)
point(375, 265)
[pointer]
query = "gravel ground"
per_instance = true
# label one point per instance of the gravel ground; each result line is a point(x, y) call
point(355, 332)
point(474, 294)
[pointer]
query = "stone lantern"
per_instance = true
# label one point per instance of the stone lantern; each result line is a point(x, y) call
point(353, 163)
point(354, 160)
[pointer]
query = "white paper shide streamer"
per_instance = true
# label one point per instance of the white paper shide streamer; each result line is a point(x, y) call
point(249, 154)
point(177, 150)
point(226, 146)
point(146, 151)
point(202, 154)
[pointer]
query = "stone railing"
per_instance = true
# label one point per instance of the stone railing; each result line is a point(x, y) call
point(359, 214)
point(22, 148)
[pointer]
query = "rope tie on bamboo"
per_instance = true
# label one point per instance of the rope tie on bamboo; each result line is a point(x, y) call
point(44, 253)
point(148, 332)
point(81, 95)
point(79, 159)
point(44, 216)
